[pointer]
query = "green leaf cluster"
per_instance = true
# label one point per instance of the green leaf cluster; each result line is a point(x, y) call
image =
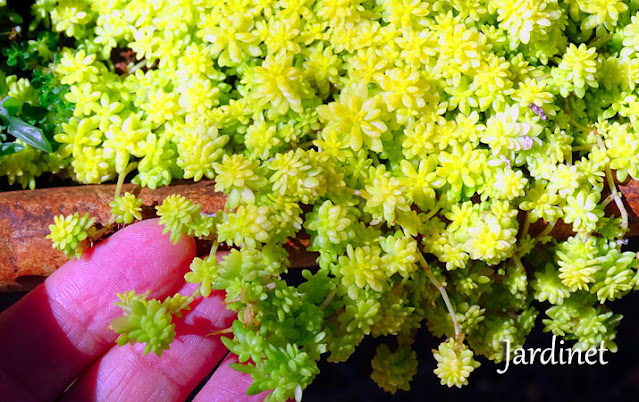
point(428, 150)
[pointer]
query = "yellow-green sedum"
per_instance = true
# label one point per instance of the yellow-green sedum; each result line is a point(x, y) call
point(68, 233)
point(126, 208)
point(415, 141)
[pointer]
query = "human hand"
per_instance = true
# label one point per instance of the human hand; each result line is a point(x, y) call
point(59, 331)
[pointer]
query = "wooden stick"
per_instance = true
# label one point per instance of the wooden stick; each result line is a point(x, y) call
point(26, 255)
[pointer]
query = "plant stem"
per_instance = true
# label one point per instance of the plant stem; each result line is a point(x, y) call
point(214, 247)
point(328, 299)
point(121, 176)
point(613, 189)
point(607, 200)
point(434, 211)
point(228, 330)
point(600, 41)
point(136, 67)
point(545, 232)
point(617, 198)
point(459, 336)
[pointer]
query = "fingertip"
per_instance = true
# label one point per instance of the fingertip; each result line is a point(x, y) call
point(138, 257)
point(227, 384)
point(124, 373)
point(62, 326)
point(139, 251)
point(146, 238)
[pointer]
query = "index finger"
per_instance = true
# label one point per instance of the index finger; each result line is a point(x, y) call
point(59, 328)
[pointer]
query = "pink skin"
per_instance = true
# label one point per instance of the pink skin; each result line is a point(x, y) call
point(59, 331)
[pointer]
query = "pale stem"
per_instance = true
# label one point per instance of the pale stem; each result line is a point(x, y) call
point(617, 198)
point(578, 125)
point(613, 189)
point(137, 66)
point(214, 247)
point(444, 294)
point(607, 200)
point(434, 211)
point(600, 41)
point(224, 331)
point(545, 232)
point(121, 176)
point(328, 300)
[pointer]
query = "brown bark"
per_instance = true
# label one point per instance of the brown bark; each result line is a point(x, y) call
point(26, 255)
